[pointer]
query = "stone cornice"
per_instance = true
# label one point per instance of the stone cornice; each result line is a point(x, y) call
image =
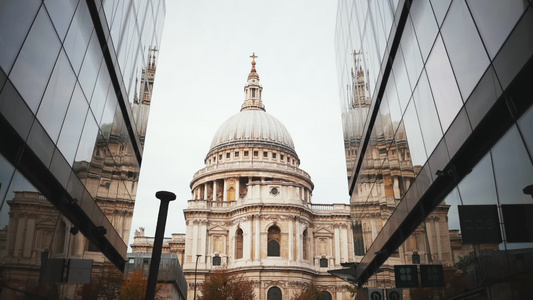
point(253, 167)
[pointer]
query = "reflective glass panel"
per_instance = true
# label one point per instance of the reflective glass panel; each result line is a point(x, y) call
point(483, 97)
point(394, 105)
point(73, 124)
point(427, 114)
point(458, 132)
point(467, 54)
point(425, 25)
point(414, 136)
point(18, 185)
point(411, 52)
point(6, 173)
point(495, 19)
point(478, 186)
point(57, 97)
point(61, 12)
point(15, 110)
point(101, 90)
point(88, 140)
point(512, 168)
point(34, 64)
point(78, 35)
point(526, 128)
point(16, 18)
point(91, 65)
point(453, 200)
point(40, 143)
point(440, 8)
point(447, 97)
point(516, 50)
point(402, 82)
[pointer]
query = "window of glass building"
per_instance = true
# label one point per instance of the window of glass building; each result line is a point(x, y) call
point(443, 85)
point(466, 51)
point(34, 63)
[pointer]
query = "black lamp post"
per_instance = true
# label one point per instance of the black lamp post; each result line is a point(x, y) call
point(165, 198)
point(195, 270)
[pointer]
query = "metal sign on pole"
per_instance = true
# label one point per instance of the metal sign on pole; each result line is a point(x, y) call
point(375, 294)
point(394, 294)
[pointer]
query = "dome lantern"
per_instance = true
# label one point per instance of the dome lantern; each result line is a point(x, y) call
point(253, 91)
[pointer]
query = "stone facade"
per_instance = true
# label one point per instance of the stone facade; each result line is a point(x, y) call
point(251, 212)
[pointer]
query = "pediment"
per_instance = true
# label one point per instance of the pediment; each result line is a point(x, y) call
point(323, 231)
point(220, 229)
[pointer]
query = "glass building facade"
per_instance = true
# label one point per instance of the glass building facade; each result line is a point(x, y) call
point(438, 126)
point(75, 89)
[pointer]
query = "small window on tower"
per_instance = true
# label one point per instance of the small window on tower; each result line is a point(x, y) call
point(253, 93)
point(274, 155)
point(246, 153)
point(220, 157)
point(227, 155)
point(265, 154)
point(236, 154)
point(281, 156)
point(256, 153)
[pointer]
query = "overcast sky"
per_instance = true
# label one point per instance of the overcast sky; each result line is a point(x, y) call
point(204, 62)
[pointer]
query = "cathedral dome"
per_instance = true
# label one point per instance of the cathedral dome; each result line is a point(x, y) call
point(252, 126)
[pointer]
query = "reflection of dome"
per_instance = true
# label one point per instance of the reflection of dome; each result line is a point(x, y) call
point(252, 126)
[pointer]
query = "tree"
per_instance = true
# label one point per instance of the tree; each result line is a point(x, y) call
point(223, 285)
point(310, 292)
point(134, 287)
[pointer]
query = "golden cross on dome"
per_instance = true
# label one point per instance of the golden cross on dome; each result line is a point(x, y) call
point(253, 56)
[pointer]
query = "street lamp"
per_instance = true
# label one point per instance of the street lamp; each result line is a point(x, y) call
point(195, 269)
point(165, 198)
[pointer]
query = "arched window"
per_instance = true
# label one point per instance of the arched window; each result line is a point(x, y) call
point(238, 244)
point(274, 293)
point(274, 239)
point(305, 246)
point(325, 295)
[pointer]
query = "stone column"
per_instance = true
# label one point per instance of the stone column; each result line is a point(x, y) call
point(257, 239)
point(429, 242)
point(437, 236)
point(195, 239)
point(205, 191)
point(373, 228)
point(291, 239)
point(215, 190)
point(203, 239)
point(237, 189)
point(299, 243)
point(225, 191)
point(337, 245)
point(247, 240)
point(344, 242)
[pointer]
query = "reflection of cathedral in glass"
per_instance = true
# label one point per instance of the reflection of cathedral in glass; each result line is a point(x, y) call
point(385, 175)
point(71, 143)
point(437, 119)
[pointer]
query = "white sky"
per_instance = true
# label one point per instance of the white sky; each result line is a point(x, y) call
point(202, 70)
